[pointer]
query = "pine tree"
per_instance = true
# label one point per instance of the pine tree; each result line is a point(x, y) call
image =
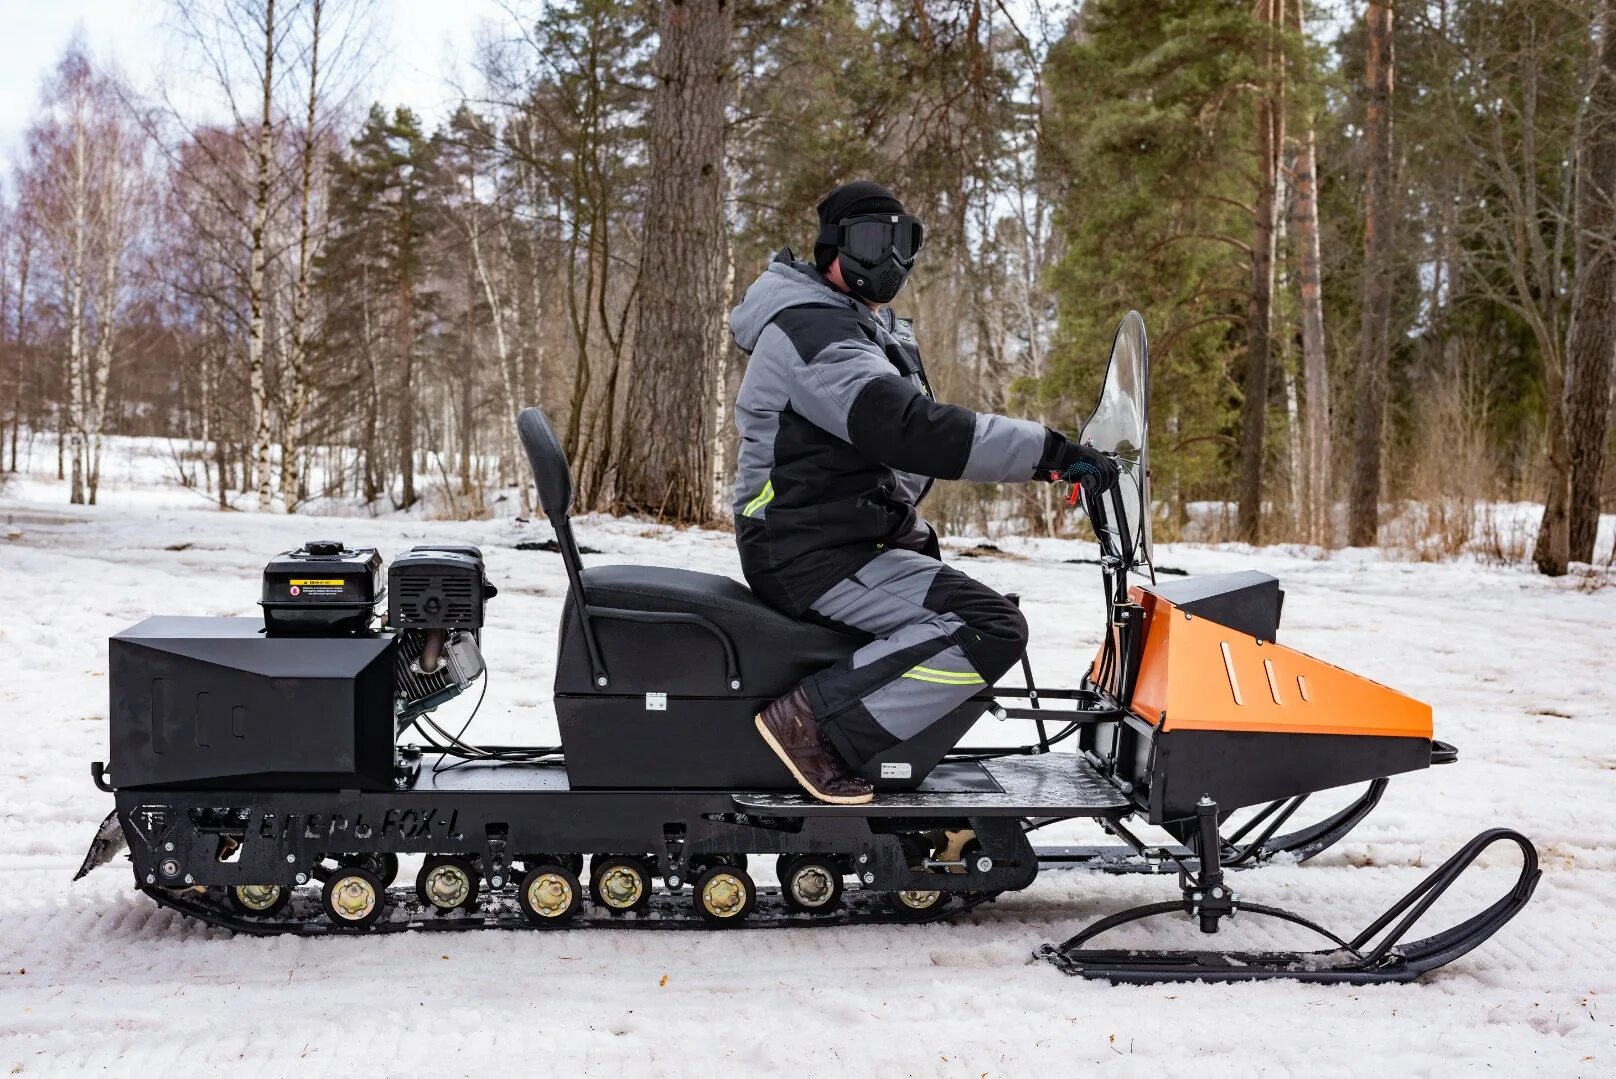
point(1150, 137)
point(381, 224)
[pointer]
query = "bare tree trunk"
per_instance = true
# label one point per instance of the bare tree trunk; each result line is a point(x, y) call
point(1374, 337)
point(1318, 484)
point(372, 400)
point(79, 224)
point(21, 337)
point(112, 240)
point(406, 386)
point(667, 466)
point(296, 392)
point(258, 260)
point(718, 402)
point(1260, 305)
point(509, 375)
point(1591, 338)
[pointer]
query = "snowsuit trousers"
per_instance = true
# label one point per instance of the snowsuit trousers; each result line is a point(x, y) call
point(940, 637)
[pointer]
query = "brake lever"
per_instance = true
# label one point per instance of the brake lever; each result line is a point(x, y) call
point(1072, 495)
point(1076, 492)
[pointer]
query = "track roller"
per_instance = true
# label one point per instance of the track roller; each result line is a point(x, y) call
point(811, 883)
point(259, 900)
point(448, 882)
point(621, 883)
point(354, 898)
point(550, 896)
point(916, 903)
point(523, 863)
point(383, 866)
point(724, 895)
point(700, 863)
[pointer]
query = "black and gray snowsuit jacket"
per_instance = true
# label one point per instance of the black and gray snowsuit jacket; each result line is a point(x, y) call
point(840, 436)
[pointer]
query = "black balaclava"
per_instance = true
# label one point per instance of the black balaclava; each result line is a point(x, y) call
point(850, 200)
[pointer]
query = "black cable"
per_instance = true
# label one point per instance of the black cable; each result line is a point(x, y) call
point(457, 738)
point(1023, 751)
point(446, 745)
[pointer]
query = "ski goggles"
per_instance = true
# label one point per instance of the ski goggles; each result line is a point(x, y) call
point(869, 237)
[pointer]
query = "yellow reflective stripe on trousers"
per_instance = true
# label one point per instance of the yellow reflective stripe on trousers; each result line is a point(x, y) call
point(947, 678)
point(763, 499)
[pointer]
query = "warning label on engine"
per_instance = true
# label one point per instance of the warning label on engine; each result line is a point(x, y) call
point(308, 586)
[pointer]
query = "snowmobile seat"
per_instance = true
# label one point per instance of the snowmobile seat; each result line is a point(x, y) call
point(721, 633)
point(712, 637)
point(660, 671)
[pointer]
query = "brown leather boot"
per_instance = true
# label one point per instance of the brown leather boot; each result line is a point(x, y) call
point(790, 729)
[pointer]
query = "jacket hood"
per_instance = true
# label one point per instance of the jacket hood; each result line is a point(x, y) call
point(786, 283)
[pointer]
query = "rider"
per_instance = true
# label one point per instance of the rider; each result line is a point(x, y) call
point(840, 440)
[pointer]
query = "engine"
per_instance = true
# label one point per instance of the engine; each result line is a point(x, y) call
point(435, 605)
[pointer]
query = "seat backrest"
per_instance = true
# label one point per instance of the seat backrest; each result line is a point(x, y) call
point(549, 461)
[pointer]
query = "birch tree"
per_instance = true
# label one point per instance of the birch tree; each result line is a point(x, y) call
point(83, 182)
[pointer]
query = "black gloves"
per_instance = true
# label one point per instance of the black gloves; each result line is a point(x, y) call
point(1074, 463)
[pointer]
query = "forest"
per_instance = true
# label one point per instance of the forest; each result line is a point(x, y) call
point(1374, 244)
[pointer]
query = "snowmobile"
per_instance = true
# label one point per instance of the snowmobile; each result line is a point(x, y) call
point(264, 782)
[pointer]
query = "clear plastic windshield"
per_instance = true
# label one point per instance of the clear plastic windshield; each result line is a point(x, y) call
point(1119, 425)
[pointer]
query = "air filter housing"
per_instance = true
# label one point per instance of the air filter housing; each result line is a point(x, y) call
point(437, 587)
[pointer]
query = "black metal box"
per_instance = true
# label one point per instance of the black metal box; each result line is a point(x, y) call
point(216, 704)
point(322, 588)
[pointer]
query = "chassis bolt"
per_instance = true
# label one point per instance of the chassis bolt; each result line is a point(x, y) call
point(1197, 897)
point(868, 878)
point(674, 881)
point(498, 882)
point(189, 879)
point(291, 857)
point(169, 845)
point(1217, 893)
point(983, 864)
point(151, 878)
point(863, 858)
point(302, 878)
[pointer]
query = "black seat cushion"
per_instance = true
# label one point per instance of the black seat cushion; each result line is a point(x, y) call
point(775, 651)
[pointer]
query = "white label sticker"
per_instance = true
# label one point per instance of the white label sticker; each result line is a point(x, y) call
point(896, 770)
point(656, 702)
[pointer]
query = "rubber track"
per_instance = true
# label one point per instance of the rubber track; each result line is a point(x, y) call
point(406, 913)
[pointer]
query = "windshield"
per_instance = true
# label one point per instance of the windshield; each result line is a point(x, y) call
point(1119, 425)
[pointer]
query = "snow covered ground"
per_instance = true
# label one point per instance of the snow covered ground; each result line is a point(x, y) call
point(94, 978)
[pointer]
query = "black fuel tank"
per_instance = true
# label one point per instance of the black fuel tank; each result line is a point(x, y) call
point(216, 704)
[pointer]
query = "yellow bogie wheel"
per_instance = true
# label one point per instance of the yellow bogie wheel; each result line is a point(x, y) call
point(916, 902)
point(621, 883)
point(448, 882)
point(354, 898)
point(811, 884)
point(550, 895)
point(724, 895)
point(259, 900)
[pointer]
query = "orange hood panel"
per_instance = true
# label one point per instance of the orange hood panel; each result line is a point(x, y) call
point(1198, 675)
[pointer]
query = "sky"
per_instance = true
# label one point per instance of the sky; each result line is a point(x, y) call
point(419, 44)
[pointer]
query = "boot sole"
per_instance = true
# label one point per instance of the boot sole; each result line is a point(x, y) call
point(785, 759)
